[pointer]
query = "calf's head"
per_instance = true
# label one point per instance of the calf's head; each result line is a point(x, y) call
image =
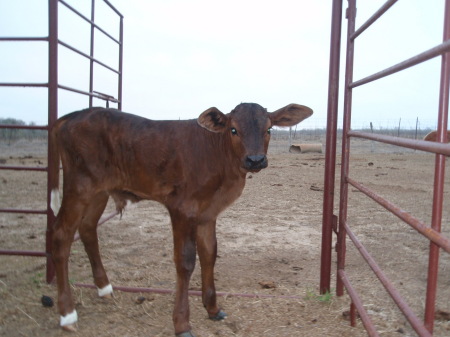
point(248, 129)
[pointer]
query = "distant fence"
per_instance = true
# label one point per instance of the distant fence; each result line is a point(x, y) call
point(319, 133)
point(403, 129)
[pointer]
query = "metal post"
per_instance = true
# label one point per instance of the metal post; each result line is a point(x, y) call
point(91, 61)
point(439, 174)
point(52, 116)
point(330, 148)
point(119, 94)
point(341, 248)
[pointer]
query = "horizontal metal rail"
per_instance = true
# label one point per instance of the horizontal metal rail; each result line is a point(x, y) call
point(423, 145)
point(100, 96)
point(425, 56)
point(103, 97)
point(373, 18)
point(415, 322)
point(23, 168)
point(419, 226)
point(24, 38)
point(23, 211)
point(22, 253)
point(365, 318)
point(190, 292)
point(43, 85)
point(30, 127)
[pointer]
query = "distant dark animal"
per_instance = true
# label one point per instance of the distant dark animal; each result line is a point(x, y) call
point(196, 168)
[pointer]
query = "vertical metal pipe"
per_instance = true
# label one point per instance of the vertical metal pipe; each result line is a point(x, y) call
point(119, 89)
point(91, 53)
point(52, 116)
point(330, 148)
point(439, 174)
point(341, 245)
point(352, 314)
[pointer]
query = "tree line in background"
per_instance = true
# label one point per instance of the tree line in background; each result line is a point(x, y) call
point(10, 135)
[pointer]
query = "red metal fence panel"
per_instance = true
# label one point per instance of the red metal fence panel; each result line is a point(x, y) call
point(53, 86)
point(440, 148)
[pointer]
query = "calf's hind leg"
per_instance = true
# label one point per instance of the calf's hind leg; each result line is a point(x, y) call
point(66, 224)
point(89, 237)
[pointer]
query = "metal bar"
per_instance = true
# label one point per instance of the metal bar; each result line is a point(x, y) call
point(429, 233)
point(119, 89)
point(87, 93)
point(22, 253)
point(100, 222)
point(91, 54)
point(22, 168)
point(190, 292)
point(373, 18)
point(91, 22)
point(330, 148)
point(341, 244)
point(24, 85)
point(352, 314)
point(87, 56)
point(23, 38)
point(113, 8)
point(441, 148)
point(439, 176)
point(367, 322)
point(52, 117)
point(429, 54)
point(32, 127)
point(23, 211)
point(415, 322)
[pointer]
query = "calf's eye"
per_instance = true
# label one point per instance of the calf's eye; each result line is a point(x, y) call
point(233, 131)
point(269, 130)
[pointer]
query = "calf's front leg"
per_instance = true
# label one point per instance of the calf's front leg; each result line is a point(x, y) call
point(207, 252)
point(184, 258)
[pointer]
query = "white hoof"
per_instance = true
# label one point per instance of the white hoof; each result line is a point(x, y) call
point(105, 291)
point(69, 328)
point(68, 322)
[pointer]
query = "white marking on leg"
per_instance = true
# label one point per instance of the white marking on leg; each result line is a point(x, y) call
point(107, 290)
point(55, 201)
point(69, 319)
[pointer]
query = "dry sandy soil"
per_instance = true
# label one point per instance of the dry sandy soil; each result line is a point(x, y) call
point(269, 244)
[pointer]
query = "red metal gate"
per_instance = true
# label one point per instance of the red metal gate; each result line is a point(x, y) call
point(340, 225)
point(53, 86)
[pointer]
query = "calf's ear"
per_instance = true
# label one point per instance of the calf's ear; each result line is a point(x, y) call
point(290, 115)
point(213, 120)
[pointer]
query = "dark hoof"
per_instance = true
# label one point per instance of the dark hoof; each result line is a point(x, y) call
point(185, 334)
point(219, 316)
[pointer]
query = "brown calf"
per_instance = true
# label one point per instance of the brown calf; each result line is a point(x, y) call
point(196, 168)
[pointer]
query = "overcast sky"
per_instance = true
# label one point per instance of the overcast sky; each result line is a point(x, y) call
point(182, 57)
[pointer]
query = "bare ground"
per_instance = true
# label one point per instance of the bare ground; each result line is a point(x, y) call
point(269, 244)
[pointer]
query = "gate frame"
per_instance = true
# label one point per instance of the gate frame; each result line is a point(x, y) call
point(440, 148)
point(53, 87)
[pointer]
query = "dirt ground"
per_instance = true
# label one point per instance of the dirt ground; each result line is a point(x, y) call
point(269, 244)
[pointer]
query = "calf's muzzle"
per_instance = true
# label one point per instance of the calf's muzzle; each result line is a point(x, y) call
point(256, 162)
